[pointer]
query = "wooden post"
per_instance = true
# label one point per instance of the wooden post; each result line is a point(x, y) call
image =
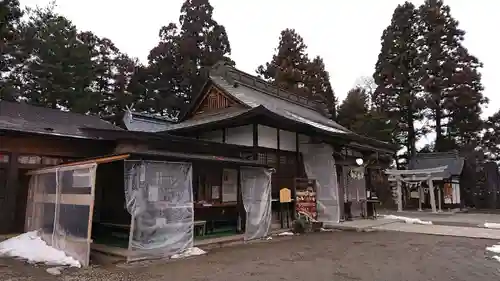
point(431, 192)
point(420, 197)
point(439, 199)
point(400, 195)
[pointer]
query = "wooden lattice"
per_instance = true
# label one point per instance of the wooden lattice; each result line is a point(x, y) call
point(214, 100)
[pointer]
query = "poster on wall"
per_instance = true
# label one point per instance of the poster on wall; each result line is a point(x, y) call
point(305, 198)
point(215, 192)
point(448, 193)
point(229, 185)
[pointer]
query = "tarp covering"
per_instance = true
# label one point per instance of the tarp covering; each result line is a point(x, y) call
point(319, 164)
point(59, 206)
point(160, 199)
point(256, 193)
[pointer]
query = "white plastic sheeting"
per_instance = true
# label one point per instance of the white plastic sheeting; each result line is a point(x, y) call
point(159, 197)
point(319, 164)
point(59, 208)
point(256, 193)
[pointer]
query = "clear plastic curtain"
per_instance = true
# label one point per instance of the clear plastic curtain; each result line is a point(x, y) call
point(59, 208)
point(256, 193)
point(319, 164)
point(160, 199)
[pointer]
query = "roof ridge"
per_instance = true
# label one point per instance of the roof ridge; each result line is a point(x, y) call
point(453, 154)
point(223, 69)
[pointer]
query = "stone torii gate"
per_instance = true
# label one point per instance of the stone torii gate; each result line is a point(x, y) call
point(417, 176)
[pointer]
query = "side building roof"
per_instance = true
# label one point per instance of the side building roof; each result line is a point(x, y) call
point(22, 117)
point(453, 160)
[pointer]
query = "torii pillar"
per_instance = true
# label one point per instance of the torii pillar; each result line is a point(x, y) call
point(431, 192)
point(400, 195)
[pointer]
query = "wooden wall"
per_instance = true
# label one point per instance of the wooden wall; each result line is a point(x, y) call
point(15, 188)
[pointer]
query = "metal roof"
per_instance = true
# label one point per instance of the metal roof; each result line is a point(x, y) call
point(254, 93)
point(452, 160)
point(134, 121)
point(254, 97)
point(208, 118)
point(23, 117)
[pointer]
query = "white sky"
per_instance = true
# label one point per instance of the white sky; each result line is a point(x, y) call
point(345, 33)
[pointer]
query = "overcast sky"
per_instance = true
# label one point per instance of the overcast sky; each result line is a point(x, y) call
point(345, 33)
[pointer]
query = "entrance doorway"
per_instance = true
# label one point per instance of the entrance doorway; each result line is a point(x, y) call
point(21, 201)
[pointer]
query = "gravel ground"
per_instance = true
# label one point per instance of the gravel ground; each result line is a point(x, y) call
point(339, 256)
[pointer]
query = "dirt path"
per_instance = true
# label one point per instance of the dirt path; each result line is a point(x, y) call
point(339, 256)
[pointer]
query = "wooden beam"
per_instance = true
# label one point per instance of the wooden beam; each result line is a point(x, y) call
point(70, 199)
point(415, 179)
point(67, 166)
point(416, 171)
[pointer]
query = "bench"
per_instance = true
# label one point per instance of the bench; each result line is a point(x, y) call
point(201, 226)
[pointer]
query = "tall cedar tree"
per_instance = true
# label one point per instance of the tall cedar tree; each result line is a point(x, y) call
point(450, 78)
point(318, 86)
point(289, 64)
point(58, 71)
point(490, 142)
point(179, 64)
point(397, 92)
point(10, 15)
point(291, 69)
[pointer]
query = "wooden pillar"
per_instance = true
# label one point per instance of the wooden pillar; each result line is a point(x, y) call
point(400, 195)
point(420, 196)
point(255, 140)
point(439, 199)
point(431, 192)
point(8, 208)
point(242, 215)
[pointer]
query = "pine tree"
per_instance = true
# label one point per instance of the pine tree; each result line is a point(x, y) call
point(289, 64)
point(490, 141)
point(396, 76)
point(450, 78)
point(58, 72)
point(353, 111)
point(179, 64)
point(355, 114)
point(10, 15)
point(113, 71)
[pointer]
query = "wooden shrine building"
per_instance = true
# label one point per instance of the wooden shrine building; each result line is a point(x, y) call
point(274, 127)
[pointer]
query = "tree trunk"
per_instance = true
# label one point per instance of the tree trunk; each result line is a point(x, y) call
point(439, 129)
point(412, 139)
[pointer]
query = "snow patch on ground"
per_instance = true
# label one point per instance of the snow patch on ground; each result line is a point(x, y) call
point(286, 233)
point(408, 220)
point(30, 247)
point(495, 249)
point(492, 225)
point(194, 251)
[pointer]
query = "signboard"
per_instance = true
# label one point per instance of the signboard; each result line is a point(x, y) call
point(305, 198)
point(285, 195)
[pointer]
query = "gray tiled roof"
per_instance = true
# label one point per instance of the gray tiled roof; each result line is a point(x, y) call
point(34, 119)
point(454, 162)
